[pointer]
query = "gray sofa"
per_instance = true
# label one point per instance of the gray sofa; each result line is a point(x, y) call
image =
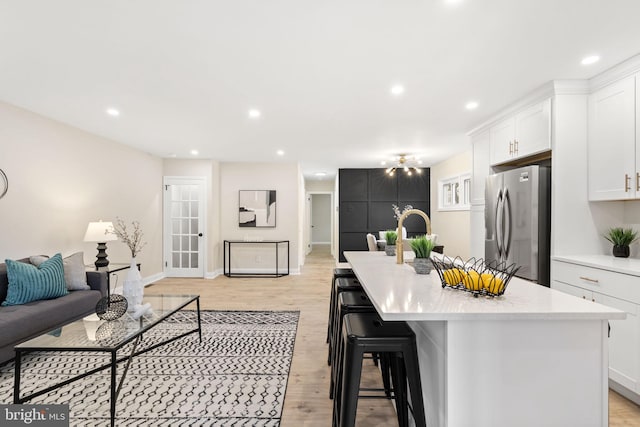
point(19, 323)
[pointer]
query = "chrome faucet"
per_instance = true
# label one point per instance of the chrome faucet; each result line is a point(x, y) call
point(399, 253)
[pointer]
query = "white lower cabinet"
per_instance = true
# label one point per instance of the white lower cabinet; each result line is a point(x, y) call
point(600, 286)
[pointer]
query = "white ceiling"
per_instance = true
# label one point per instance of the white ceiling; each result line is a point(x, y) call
point(185, 73)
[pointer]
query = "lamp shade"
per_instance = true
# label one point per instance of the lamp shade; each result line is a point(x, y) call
point(100, 232)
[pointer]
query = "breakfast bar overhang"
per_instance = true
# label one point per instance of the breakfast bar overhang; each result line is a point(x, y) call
point(531, 357)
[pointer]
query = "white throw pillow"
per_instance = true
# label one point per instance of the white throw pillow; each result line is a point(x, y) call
point(75, 273)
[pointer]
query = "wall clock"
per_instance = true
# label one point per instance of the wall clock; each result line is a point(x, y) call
point(4, 184)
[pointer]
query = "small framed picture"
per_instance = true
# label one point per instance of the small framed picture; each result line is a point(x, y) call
point(257, 208)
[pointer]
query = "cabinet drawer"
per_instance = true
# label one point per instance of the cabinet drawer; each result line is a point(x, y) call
point(618, 285)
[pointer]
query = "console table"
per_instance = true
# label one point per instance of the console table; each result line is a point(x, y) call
point(276, 244)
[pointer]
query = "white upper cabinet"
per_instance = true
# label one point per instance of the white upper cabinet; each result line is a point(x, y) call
point(612, 146)
point(502, 137)
point(526, 133)
point(480, 148)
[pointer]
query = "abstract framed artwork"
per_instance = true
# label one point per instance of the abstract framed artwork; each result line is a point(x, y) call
point(257, 208)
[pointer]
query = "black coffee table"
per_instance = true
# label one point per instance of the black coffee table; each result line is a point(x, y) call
point(108, 337)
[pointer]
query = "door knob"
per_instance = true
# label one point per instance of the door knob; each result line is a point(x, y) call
point(199, 234)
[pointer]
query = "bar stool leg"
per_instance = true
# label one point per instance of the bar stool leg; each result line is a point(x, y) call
point(331, 303)
point(351, 373)
point(415, 386)
point(399, 377)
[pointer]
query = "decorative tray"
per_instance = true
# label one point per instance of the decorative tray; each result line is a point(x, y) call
point(475, 275)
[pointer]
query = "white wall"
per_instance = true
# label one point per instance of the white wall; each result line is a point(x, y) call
point(312, 185)
point(282, 177)
point(452, 227)
point(210, 169)
point(61, 178)
point(631, 219)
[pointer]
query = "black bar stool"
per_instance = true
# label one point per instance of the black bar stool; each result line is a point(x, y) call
point(348, 302)
point(367, 333)
point(342, 284)
point(337, 273)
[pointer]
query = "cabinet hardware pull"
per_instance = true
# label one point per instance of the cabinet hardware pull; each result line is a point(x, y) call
point(589, 280)
point(637, 181)
point(515, 146)
point(627, 182)
point(510, 148)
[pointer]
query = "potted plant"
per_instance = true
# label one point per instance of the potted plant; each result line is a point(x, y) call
point(422, 248)
point(390, 237)
point(621, 239)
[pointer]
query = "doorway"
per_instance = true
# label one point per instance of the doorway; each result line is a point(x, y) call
point(184, 219)
point(320, 219)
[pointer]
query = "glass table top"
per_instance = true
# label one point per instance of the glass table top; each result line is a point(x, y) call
point(92, 333)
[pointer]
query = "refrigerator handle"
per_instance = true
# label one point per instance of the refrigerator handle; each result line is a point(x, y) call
point(506, 243)
point(498, 223)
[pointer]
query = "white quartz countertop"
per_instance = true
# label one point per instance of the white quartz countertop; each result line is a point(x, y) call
point(605, 262)
point(398, 293)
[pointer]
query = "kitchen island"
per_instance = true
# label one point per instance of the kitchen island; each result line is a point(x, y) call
point(531, 357)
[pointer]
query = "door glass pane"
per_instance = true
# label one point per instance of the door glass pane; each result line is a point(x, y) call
point(175, 260)
point(175, 192)
point(185, 243)
point(185, 226)
point(194, 243)
point(194, 209)
point(194, 260)
point(175, 226)
point(185, 209)
point(175, 243)
point(185, 193)
point(185, 259)
point(175, 209)
point(194, 226)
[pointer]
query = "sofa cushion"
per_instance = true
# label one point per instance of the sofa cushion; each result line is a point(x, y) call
point(75, 273)
point(29, 283)
point(21, 322)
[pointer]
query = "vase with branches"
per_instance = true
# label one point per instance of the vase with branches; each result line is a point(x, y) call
point(132, 238)
point(132, 288)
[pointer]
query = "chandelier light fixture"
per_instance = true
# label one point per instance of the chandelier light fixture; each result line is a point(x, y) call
point(407, 162)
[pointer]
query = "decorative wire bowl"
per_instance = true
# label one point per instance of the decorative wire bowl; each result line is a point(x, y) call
point(475, 275)
point(111, 307)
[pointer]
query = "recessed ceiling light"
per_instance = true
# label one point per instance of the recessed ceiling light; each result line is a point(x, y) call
point(254, 114)
point(280, 153)
point(397, 90)
point(590, 60)
point(383, 162)
point(471, 105)
point(320, 174)
point(194, 152)
point(113, 112)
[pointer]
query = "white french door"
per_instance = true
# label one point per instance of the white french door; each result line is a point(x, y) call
point(184, 220)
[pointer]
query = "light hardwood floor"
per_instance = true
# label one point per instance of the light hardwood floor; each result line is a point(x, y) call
point(307, 400)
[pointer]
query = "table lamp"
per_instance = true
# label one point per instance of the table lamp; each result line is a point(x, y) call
point(101, 233)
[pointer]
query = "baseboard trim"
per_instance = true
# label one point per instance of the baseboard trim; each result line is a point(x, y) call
point(149, 280)
point(625, 392)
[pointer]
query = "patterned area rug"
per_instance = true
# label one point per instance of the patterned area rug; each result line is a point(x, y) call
point(237, 376)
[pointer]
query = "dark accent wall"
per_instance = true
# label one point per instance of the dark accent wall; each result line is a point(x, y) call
point(365, 199)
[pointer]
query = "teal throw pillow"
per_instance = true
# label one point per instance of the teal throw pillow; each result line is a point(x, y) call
point(30, 283)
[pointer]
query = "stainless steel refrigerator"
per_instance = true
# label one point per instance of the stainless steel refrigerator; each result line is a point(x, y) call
point(518, 220)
